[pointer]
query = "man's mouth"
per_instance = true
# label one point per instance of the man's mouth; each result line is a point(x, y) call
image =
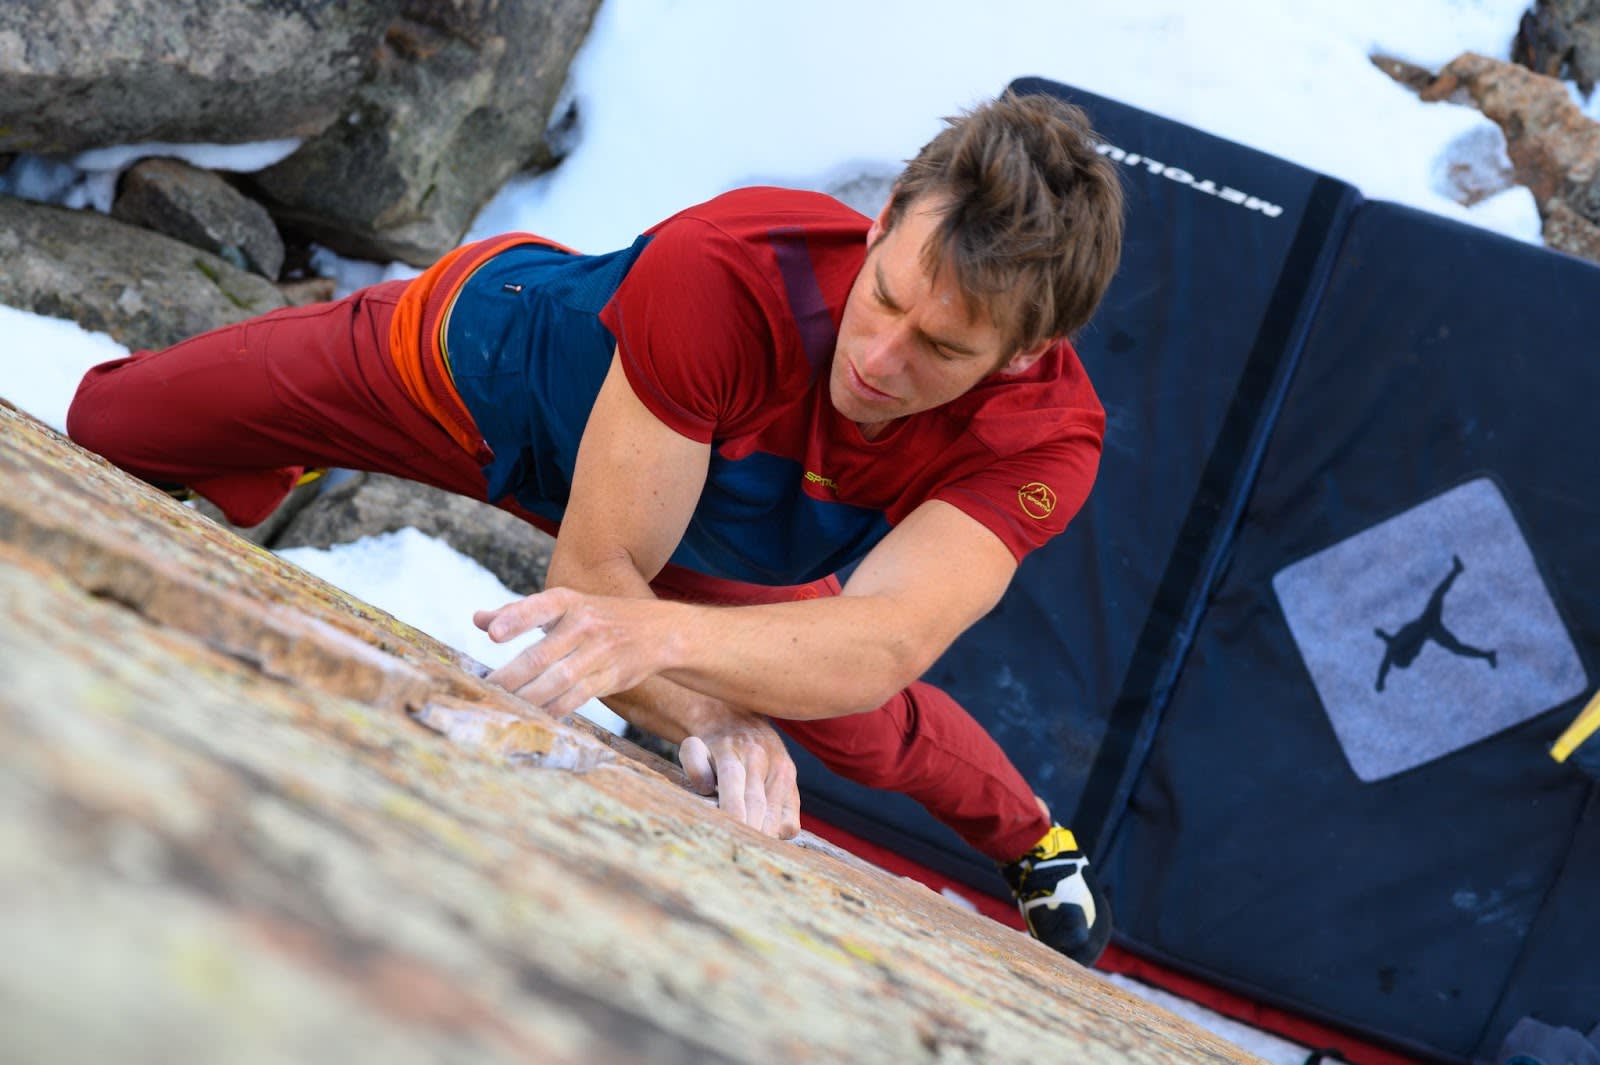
point(860, 386)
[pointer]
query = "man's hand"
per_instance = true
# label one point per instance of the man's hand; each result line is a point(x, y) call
point(597, 646)
point(593, 646)
point(742, 760)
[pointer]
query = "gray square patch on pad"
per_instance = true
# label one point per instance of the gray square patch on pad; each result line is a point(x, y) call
point(1429, 632)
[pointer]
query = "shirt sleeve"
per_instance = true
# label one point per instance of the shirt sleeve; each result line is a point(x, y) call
point(697, 328)
point(1027, 498)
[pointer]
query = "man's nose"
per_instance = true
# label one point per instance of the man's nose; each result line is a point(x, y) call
point(886, 353)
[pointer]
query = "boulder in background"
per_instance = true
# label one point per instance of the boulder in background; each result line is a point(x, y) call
point(1567, 230)
point(201, 209)
point(459, 101)
point(1561, 38)
point(1553, 147)
point(143, 289)
point(105, 72)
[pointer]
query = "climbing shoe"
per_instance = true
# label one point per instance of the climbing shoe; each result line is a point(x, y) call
point(1062, 904)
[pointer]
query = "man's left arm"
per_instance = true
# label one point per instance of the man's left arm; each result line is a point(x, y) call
point(936, 573)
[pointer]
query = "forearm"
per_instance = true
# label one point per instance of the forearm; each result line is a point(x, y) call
point(900, 610)
point(811, 659)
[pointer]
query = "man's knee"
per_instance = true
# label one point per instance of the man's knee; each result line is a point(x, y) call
point(94, 418)
point(868, 748)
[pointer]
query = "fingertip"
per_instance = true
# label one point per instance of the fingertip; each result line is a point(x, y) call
point(695, 758)
point(789, 809)
point(500, 623)
point(785, 817)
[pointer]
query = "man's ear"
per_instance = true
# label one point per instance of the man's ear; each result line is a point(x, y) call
point(1025, 358)
point(880, 224)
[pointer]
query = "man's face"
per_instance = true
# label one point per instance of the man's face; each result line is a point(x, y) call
point(907, 343)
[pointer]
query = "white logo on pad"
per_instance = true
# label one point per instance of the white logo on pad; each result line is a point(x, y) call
point(1429, 632)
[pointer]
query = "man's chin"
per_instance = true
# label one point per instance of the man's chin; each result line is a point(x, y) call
point(854, 412)
point(844, 403)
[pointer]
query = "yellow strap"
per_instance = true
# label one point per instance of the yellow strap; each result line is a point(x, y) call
point(310, 475)
point(1583, 726)
point(1059, 839)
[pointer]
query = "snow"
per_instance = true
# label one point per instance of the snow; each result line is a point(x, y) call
point(384, 570)
point(678, 102)
point(89, 179)
point(42, 360)
point(240, 158)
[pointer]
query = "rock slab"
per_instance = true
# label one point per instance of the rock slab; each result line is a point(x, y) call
point(233, 828)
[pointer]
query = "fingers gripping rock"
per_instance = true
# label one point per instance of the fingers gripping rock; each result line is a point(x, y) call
point(695, 758)
point(747, 766)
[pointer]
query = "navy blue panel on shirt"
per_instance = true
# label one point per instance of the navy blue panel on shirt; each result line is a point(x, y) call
point(754, 523)
point(528, 354)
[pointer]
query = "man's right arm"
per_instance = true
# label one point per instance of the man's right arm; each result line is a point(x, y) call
point(635, 487)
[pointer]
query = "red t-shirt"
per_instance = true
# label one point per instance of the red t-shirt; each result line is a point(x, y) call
point(726, 325)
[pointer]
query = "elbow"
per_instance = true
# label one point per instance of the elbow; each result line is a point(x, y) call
point(859, 688)
point(595, 571)
point(906, 657)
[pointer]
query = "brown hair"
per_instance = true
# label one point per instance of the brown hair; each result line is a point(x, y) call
point(1032, 222)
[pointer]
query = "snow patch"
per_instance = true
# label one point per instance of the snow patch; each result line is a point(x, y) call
point(429, 586)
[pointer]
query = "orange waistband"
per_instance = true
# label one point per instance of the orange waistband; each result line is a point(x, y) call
point(417, 343)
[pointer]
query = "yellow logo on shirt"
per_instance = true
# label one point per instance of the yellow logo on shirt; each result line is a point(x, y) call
point(1038, 500)
point(824, 482)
